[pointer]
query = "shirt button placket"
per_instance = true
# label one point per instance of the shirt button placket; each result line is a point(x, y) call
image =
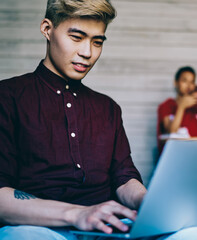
point(72, 129)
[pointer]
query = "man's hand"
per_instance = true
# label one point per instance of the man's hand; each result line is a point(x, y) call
point(97, 216)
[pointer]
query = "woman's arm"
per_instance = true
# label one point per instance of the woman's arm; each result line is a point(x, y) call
point(183, 103)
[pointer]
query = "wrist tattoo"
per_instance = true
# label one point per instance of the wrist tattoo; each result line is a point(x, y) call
point(23, 195)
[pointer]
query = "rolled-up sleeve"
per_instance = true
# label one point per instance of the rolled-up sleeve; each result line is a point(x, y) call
point(8, 129)
point(123, 168)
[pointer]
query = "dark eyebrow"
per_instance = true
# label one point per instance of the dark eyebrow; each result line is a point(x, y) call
point(75, 30)
point(102, 37)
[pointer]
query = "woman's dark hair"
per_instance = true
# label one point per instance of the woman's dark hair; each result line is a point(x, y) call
point(182, 70)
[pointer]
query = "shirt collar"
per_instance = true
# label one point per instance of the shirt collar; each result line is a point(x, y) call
point(55, 82)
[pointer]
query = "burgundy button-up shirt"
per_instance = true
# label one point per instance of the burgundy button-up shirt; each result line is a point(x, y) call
point(61, 140)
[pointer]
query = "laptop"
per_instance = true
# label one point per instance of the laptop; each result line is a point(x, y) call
point(171, 201)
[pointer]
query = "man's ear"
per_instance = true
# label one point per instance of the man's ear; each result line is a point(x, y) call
point(45, 28)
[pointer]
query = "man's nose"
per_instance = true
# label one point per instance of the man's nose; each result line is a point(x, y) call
point(85, 49)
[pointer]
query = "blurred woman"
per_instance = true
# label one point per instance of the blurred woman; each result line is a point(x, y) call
point(178, 117)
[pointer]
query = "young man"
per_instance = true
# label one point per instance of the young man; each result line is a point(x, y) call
point(64, 154)
point(63, 150)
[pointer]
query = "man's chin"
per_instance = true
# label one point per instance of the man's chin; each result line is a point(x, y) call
point(78, 77)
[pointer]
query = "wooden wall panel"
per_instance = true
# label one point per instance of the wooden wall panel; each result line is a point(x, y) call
point(146, 44)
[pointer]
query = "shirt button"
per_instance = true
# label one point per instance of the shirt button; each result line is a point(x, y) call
point(78, 165)
point(58, 92)
point(75, 94)
point(67, 87)
point(69, 105)
point(73, 135)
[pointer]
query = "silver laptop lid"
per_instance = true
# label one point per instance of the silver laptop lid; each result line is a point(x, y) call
point(171, 201)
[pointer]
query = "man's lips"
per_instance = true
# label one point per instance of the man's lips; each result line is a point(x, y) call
point(80, 67)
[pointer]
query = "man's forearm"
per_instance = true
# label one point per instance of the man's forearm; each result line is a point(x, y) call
point(17, 207)
point(21, 208)
point(131, 194)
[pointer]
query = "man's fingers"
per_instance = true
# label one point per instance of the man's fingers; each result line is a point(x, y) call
point(126, 212)
point(118, 209)
point(99, 225)
point(108, 212)
point(99, 216)
point(114, 221)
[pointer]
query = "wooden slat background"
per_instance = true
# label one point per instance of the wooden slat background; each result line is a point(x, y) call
point(146, 44)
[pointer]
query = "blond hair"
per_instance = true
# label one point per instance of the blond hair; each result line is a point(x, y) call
point(61, 10)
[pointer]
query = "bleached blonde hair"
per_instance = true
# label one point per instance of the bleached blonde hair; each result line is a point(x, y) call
point(61, 10)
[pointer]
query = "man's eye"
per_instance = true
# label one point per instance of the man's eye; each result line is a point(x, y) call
point(98, 43)
point(76, 38)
